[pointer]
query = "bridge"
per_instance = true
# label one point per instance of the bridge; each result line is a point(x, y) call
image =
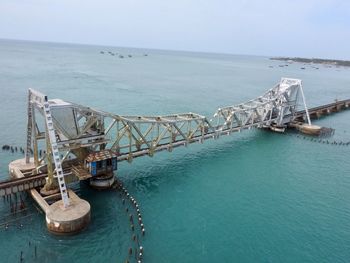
point(83, 143)
point(71, 130)
point(16, 185)
point(322, 110)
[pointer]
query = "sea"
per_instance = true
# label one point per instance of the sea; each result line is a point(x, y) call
point(254, 196)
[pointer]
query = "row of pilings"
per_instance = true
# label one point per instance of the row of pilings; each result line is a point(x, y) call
point(20, 149)
point(13, 149)
point(137, 228)
point(17, 210)
point(321, 140)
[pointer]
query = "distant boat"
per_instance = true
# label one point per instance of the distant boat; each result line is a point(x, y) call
point(145, 55)
point(121, 56)
point(302, 68)
point(129, 56)
point(102, 52)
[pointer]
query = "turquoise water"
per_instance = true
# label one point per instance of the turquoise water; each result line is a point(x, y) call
point(251, 197)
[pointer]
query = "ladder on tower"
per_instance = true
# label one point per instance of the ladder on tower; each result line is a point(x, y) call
point(55, 153)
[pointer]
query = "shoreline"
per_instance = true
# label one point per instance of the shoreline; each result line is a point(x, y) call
point(334, 62)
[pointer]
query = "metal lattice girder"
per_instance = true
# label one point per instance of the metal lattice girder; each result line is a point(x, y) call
point(272, 107)
point(135, 133)
point(80, 126)
point(79, 130)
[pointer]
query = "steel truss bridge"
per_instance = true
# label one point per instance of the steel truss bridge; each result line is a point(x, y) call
point(71, 131)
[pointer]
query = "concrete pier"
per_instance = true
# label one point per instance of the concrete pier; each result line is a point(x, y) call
point(59, 219)
point(18, 167)
point(306, 128)
point(70, 220)
point(323, 110)
point(103, 181)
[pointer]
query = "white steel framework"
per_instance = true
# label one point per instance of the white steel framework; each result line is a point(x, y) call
point(76, 130)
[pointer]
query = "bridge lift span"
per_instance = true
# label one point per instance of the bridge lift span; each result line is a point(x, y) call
point(88, 142)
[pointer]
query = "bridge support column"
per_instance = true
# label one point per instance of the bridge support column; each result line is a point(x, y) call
point(17, 167)
point(59, 219)
point(68, 220)
point(103, 181)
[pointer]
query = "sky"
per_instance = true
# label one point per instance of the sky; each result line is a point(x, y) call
point(304, 28)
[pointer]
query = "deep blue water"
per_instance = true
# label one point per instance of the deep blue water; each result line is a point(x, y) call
point(251, 197)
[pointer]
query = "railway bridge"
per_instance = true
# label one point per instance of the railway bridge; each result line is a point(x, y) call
point(83, 143)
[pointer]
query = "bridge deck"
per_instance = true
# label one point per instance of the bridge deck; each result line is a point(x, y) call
point(12, 186)
point(318, 111)
point(16, 185)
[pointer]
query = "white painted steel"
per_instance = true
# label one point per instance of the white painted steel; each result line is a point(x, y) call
point(73, 127)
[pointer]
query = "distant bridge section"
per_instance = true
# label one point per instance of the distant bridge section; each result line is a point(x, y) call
point(319, 111)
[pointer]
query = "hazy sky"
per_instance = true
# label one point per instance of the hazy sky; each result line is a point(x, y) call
point(310, 28)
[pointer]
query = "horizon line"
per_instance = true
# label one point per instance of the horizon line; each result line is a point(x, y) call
point(146, 48)
point(171, 50)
